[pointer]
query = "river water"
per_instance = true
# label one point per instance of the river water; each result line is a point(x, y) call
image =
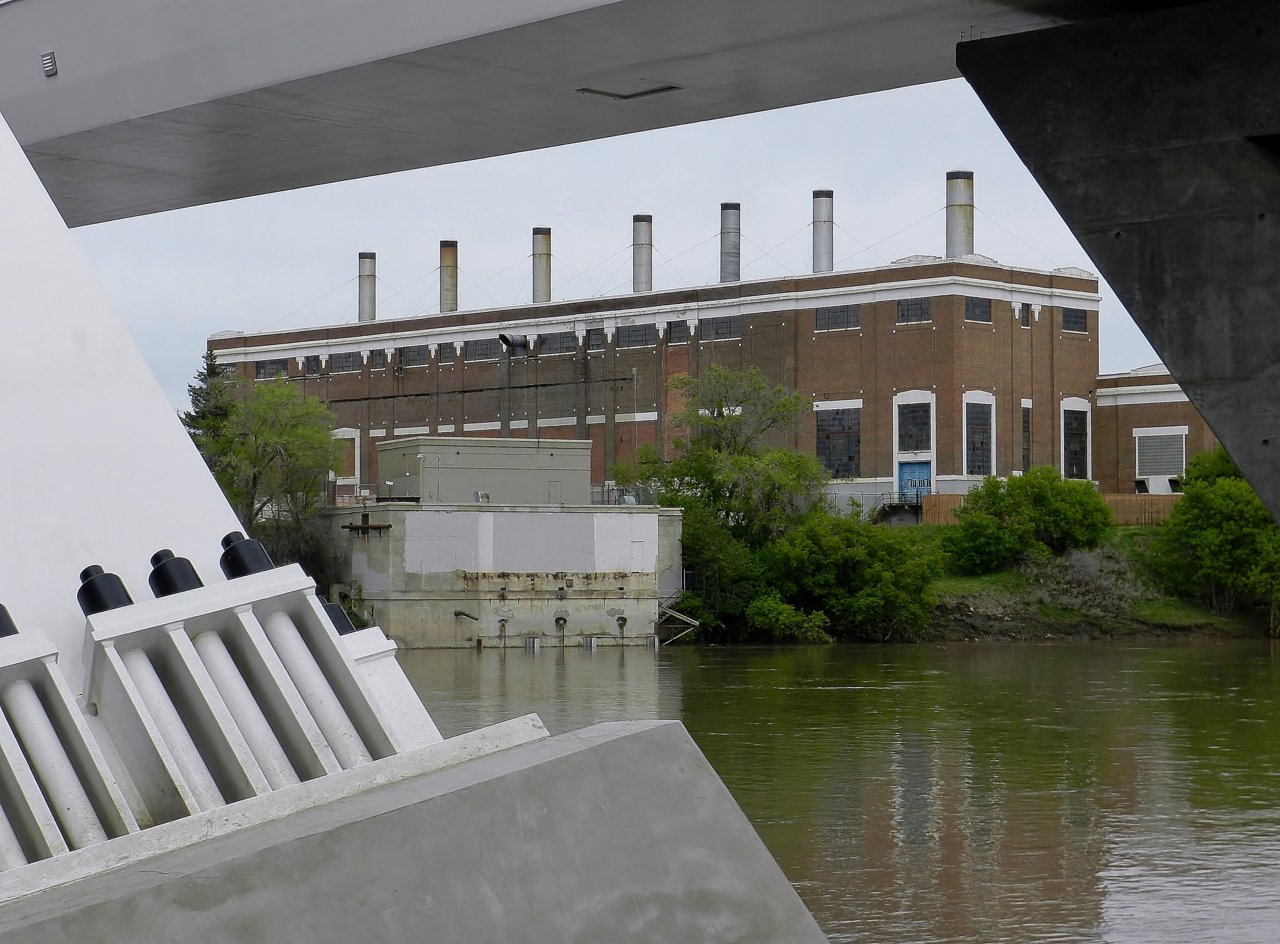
point(959, 793)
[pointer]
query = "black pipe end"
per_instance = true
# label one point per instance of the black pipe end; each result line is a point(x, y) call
point(100, 591)
point(242, 556)
point(170, 575)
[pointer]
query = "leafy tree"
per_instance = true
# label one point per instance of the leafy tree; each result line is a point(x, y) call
point(733, 412)
point(872, 582)
point(1220, 545)
point(270, 448)
point(1002, 520)
point(275, 453)
point(213, 397)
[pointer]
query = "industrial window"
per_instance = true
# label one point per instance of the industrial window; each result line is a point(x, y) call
point(595, 339)
point(977, 438)
point(1026, 438)
point(311, 365)
point(836, 318)
point(377, 359)
point(1075, 319)
point(840, 442)
point(419, 355)
point(268, 370)
point(1024, 316)
point(561, 342)
point(446, 353)
point(1161, 455)
point(914, 310)
point(913, 427)
point(1075, 444)
point(230, 371)
point(637, 335)
point(977, 309)
point(482, 349)
point(677, 332)
point(345, 362)
point(721, 329)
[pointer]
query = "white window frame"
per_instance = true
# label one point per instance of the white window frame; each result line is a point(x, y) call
point(976, 396)
point(1075, 403)
point(929, 455)
point(1142, 431)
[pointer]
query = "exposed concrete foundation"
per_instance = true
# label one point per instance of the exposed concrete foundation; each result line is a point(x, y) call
point(554, 841)
point(1157, 137)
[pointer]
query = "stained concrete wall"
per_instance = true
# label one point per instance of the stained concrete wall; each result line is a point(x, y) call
point(567, 840)
point(449, 575)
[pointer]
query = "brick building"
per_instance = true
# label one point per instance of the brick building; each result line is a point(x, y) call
point(1145, 430)
point(925, 374)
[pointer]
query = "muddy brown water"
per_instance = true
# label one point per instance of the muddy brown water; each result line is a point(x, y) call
point(1068, 792)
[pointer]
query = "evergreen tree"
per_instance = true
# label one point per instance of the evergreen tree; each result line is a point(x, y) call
point(213, 397)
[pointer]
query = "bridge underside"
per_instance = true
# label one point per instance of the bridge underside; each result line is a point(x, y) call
point(159, 105)
point(1158, 140)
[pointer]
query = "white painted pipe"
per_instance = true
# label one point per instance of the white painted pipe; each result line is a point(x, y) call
point(315, 690)
point(368, 300)
point(824, 234)
point(174, 731)
point(959, 213)
point(730, 242)
point(244, 708)
point(11, 852)
point(53, 768)
point(642, 253)
point(448, 275)
point(541, 264)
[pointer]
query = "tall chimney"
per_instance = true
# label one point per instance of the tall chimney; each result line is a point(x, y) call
point(730, 242)
point(448, 275)
point(959, 213)
point(824, 231)
point(541, 264)
point(368, 300)
point(642, 253)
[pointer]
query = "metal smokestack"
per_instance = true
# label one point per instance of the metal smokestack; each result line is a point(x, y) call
point(448, 275)
point(642, 253)
point(541, 264)
point(824, 231)
point(959, 213)
point(730, 242)
point(367, 306)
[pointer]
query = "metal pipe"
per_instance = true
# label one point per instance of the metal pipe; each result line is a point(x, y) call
point(61, 784)
point(330, 717)
point(541, 264)
point(248, 716)
point(730, 242)
point(173, 730)
point(824, 232)
point(448, 275)
point(959, 213)
point(642, 253)
point(368, 302)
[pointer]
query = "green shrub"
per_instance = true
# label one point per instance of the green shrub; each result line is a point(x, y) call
point(872, 582)
point(1003, 520)
point(773, 619)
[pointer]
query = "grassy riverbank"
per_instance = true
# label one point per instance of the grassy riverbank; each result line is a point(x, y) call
point(1101, 593)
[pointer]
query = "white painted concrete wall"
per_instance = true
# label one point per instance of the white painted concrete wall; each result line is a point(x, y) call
point(528, 541)
point(95, 467)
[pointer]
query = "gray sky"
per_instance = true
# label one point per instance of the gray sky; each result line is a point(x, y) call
point(289, 260)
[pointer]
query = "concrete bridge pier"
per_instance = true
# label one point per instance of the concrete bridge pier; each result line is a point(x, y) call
point(1157, 137)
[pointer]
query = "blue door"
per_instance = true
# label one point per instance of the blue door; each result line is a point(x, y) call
point(914, 480)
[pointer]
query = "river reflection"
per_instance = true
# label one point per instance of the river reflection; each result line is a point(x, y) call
point(959, 793)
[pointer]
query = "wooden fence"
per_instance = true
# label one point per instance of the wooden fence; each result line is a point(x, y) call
point(1125, 509)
